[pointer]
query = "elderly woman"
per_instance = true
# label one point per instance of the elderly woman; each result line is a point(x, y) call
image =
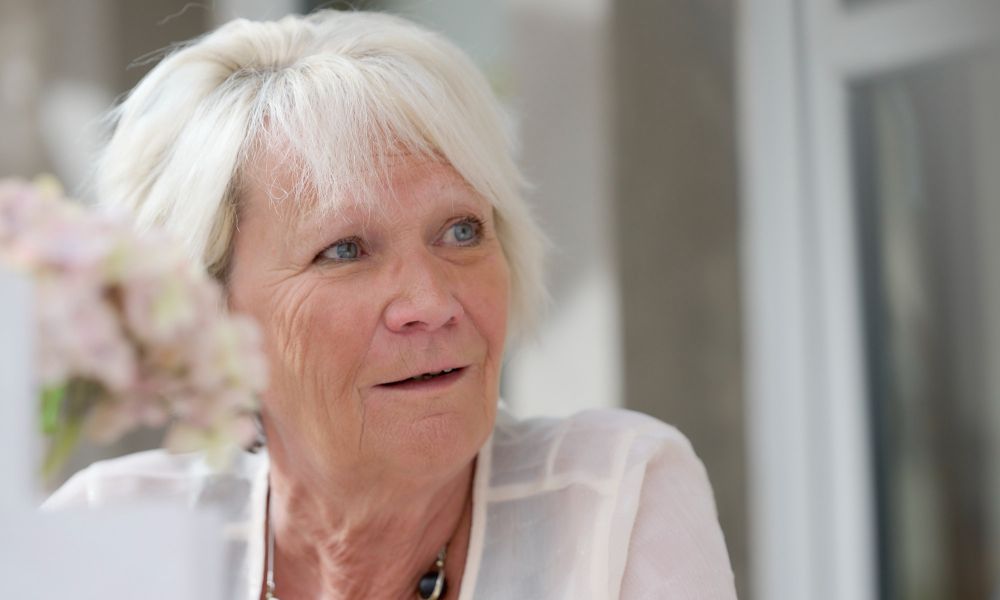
point(348, 177)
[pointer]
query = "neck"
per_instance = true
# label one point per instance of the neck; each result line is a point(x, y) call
point(368, 543)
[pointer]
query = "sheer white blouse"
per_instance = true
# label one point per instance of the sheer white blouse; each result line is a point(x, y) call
point(602, 505)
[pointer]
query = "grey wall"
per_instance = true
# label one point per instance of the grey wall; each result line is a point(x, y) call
point(61, 65)
point(675, 195)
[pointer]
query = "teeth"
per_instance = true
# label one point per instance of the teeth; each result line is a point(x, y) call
point(427, 376)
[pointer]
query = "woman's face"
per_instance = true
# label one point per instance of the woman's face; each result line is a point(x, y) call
point(363, 311)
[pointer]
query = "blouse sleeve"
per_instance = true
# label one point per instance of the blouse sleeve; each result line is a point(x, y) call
point(72, 494)
point(676, 549)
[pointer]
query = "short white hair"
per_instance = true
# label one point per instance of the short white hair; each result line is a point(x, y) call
point(336, 93)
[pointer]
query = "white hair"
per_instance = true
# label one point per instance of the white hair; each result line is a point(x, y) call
point(335, 93)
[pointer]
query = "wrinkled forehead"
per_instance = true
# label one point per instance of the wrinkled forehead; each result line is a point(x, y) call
point(277, 182)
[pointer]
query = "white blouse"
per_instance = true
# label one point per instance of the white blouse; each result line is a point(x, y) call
point(602, 505)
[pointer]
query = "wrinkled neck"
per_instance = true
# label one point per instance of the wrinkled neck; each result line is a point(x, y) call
point(373, 543)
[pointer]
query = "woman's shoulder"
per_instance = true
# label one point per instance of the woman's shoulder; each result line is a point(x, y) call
point(593, 444)
point(154, 475)
point(625, 423)
point(606, 486)
point(601, 427)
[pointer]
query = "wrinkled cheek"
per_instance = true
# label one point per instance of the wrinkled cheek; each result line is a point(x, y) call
point(289, 403)
point(311, 359)
point(287, 353)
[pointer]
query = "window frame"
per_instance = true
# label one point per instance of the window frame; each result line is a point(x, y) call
point(812, 496)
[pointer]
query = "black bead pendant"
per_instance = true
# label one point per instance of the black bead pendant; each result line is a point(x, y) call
point(429, 582)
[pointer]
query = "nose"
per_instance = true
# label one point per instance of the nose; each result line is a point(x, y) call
point(424, 298)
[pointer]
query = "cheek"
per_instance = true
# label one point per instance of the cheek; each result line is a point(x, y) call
point(326, 333)
point(316, 338)
point(488, 298)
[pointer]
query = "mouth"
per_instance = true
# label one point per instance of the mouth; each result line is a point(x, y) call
point(427, 381)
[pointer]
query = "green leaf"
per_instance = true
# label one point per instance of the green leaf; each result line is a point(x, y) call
point(52, 400)
point(64, 441)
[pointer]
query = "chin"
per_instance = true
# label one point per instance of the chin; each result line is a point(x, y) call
point(439, 442)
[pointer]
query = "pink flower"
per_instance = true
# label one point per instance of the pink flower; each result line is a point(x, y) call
point(134, 316)
point(221, 358)
point(80, 334)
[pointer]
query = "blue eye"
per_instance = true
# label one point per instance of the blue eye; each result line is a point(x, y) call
point(342, 251)
point(466, 232)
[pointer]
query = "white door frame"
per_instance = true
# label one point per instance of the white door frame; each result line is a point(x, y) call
point(810, 458)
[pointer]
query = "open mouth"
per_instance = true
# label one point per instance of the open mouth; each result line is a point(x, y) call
point(427, 379)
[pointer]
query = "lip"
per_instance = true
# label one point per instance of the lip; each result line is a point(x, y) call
point(436, 383)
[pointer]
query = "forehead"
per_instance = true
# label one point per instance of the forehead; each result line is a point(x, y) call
point(276, 186)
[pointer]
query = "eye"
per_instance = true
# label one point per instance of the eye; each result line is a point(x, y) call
point(342, 251)
point(466, 232)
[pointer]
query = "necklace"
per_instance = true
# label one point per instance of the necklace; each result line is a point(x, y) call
point(431, 586)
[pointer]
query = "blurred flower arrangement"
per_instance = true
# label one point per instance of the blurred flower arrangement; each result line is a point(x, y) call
point(130, 333)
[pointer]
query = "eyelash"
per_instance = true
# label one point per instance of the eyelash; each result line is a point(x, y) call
point(475, 221)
